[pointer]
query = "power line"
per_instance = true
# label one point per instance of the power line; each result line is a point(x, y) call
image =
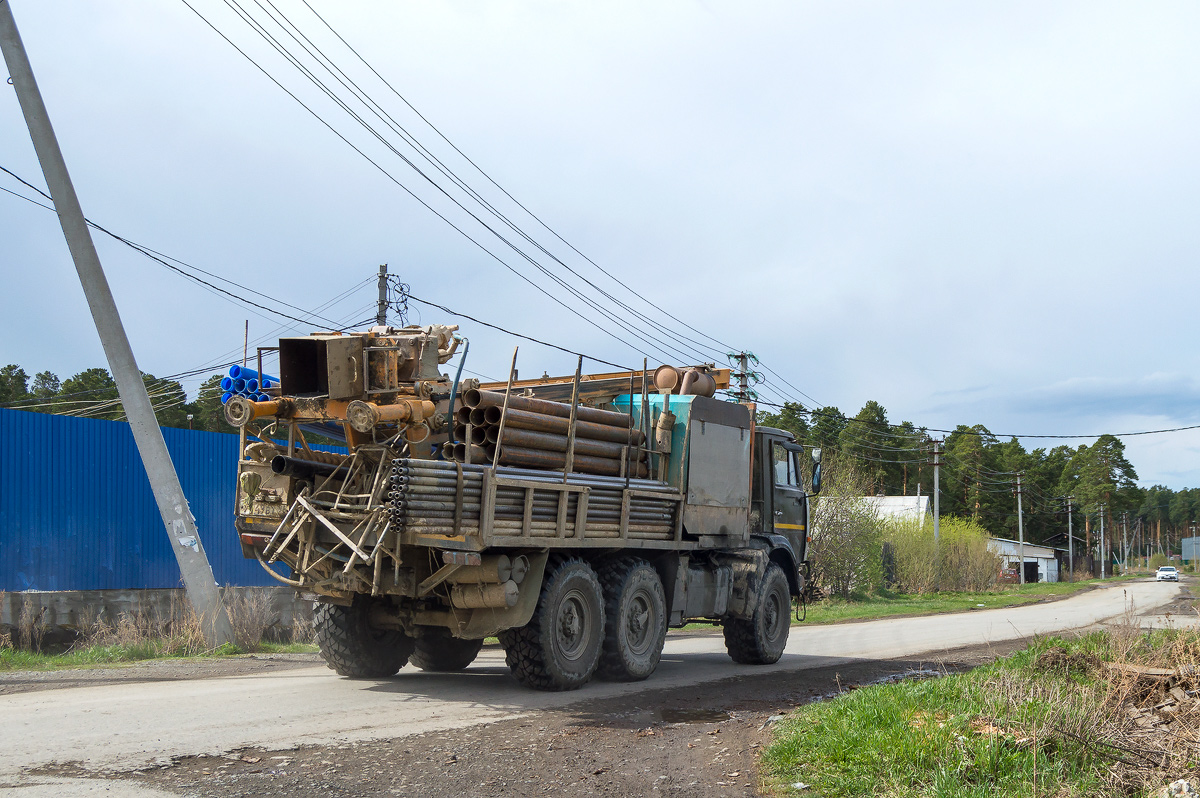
point(504, 191)
point(162, 259)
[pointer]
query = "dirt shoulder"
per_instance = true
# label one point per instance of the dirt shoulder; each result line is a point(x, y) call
point(156, 670)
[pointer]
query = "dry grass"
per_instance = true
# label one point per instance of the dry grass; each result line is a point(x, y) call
point(176, 632)
point(302, 628)
point(251, 615)
point(31, 625)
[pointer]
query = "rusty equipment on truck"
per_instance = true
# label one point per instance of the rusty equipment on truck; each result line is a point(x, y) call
point(527, 509)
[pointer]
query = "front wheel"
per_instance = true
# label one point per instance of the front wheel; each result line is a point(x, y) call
point(560, 646)
point(352, 647)
point(761, 639)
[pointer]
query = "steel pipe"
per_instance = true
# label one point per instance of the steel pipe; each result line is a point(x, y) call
point(540, 422)
point(532, 439)
point(478, 398)
point(304, 469)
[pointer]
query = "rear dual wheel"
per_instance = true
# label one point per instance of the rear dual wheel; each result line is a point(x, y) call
point(352, 647)
point(438, 651)
point(636, 613)
point(559, 648)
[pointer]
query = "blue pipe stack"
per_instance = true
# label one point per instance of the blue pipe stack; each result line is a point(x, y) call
point(241, 381)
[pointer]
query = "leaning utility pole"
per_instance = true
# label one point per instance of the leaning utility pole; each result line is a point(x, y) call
point(1020, 530)
point(381, 307)
point(164, 482)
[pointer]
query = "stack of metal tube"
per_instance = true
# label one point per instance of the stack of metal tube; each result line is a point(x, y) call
point(536, 434)
point(423, 494)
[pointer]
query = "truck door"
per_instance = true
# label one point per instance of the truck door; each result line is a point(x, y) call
point(788, 501)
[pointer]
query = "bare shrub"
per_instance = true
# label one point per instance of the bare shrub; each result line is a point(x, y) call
point(31, 626)
point(251, 615)
point(845, 530)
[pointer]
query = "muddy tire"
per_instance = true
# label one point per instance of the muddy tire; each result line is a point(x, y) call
point(437, 651)
point(635, 611)
point(352, 647)
point(760, 640)
point(559, 648)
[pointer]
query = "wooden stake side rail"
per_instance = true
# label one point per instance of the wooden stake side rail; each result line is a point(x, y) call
point(568, 529)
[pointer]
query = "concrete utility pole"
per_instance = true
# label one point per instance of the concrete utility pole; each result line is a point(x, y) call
point(1020, 530)
point(164, 482)
point(1125, 541)
point(743, 376)
point(1102, 568)
point(381, 308)
point(937, 551)
point(1070, 542)
point(937, 463)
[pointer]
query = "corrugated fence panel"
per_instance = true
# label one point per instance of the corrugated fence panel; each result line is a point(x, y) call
point(76, 511)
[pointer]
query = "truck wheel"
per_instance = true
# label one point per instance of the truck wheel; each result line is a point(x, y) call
point(760, 640)
point(436, 650)
point(560, 646)
point(635, 628)
point(352, 647)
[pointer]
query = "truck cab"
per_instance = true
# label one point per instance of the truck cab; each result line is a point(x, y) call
point(779, 501)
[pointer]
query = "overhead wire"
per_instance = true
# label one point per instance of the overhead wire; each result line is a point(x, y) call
point(413, 194)
point(501, 188)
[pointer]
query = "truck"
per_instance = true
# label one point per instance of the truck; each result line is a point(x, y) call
point(574, 518)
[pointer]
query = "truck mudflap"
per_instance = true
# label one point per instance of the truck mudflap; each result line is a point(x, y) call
point(749, 566)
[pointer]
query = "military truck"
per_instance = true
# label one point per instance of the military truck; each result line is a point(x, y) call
point(575, 518)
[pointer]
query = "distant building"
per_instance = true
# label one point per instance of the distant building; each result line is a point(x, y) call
point(1041, 562)
point(900, 508)
point(1191, 549)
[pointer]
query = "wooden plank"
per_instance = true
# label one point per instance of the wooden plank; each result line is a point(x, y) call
point(1141, 670)
point(527, 518)
point(562, 514)
point(581, 514)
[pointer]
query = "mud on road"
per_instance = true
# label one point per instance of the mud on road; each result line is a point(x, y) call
point(696, 741)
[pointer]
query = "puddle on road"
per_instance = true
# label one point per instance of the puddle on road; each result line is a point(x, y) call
point(692, 715)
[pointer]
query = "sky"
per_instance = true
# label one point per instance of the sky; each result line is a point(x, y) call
point(971, 213)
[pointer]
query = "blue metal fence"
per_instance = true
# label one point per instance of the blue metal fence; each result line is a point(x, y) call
point(76, 511)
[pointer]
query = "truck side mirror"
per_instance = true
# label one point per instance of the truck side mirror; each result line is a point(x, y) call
point(816, 471)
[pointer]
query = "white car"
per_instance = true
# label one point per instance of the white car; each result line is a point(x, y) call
point(1168, 573)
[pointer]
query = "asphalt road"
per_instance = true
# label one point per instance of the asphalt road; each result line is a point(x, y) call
point(124, 726)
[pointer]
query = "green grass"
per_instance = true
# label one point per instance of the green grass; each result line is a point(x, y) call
point(997, 731)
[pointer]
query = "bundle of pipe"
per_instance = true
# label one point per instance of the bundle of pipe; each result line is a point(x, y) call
point(241, 381)
point(422, 496)
point(535, 435)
